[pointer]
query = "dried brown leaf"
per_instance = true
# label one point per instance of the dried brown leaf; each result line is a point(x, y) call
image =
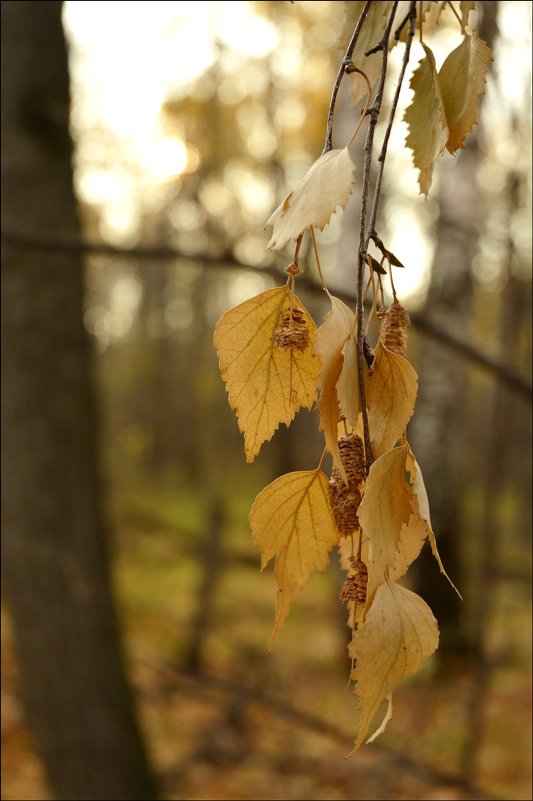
point(428, 130)
point(462, 79)
point(393, 533)
point(399, 634)
point(326, 185)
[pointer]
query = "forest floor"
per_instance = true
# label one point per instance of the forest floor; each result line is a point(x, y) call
point(224, 719)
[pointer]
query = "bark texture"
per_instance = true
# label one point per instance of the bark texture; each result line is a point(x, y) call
point(55, 568)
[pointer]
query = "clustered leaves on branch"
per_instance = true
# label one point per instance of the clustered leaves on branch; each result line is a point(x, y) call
point(274, 360)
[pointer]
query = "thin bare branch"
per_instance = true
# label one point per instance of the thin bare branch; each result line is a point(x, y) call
point(383, 154)
point(227, 261)
point(209, 683)
point(364, 235)
point(345, 63)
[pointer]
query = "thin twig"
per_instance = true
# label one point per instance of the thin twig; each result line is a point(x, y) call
point(317, 257)
point(383, 153)
point(401, 26)
point(346, 61)
point(365, 109)
point(58, 243)
point(364, 237)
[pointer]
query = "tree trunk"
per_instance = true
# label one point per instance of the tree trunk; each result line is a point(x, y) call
point(54, 552)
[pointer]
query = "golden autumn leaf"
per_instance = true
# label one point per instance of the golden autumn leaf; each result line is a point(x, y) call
point(292, 521)
point(399, 634)
point(326, 185)
point(266, 384)
point(462, 78)
point(331, 338)
point(428, 130)
point(390, 395)
point(393, 533)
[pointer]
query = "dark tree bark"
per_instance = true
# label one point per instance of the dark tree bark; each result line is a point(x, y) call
point(55, 569)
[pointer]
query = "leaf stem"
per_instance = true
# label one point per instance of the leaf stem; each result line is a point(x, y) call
point(315, 248)
point(367, 103)
point(459, 20)
point(321, 462)
point(346, 61)
point(297, 249)
point(393, 288)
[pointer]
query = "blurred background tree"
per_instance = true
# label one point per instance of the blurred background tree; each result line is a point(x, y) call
point(54, 553)
point(190, 122)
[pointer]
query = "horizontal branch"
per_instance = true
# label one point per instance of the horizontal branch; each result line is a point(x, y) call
point(420, 321)
point(207, 682)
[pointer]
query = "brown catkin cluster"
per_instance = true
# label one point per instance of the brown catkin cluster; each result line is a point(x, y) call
point(393, 334)
point(345, 499)
point(293, 331)
point(353, 458)
point(354, 588)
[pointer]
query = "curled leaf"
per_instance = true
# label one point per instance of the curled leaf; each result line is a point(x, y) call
point(326, 185)
point(420, 507)
point(390, 394)
point(331, 338)
point(462, 79)
point(292, 521)
point(399, 634)
point(428, 130)
point(393, 534)
point(266, 383)
point(348, 382)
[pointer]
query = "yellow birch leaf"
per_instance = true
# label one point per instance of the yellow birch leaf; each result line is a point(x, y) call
point(348, 382)
point(291, 520)
point(393, 533)
point(266, 384)
point(331, 338)
point(399, 634)
point(428, 130)
point(326, 185)
point(462, 78)
point(420, 507)
point(390, 395)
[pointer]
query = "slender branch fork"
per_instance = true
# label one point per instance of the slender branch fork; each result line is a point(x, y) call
point(346, 63)
point(411, 17)
point(364, 235)
point(367, 224)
